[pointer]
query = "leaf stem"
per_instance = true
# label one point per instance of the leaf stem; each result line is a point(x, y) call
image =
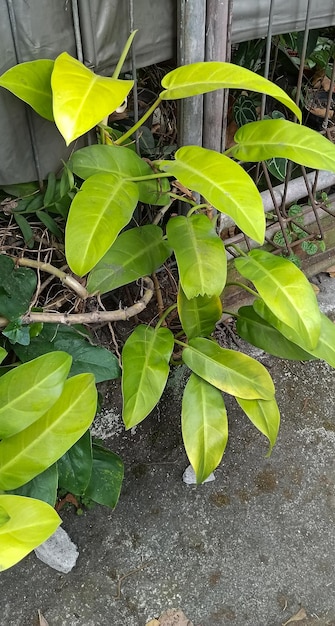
point(237, 249)
point(238, 284)
point(66, 279)
point(138, 124)
point(181, 343)
point(137, 179)
point(165, 315)
point(195, 208)
point(124, 54)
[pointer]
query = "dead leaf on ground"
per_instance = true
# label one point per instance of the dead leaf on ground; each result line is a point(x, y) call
point(315, 288)
point(171, 617)
point(297, 617)
point(331, 271)
point(41, 619)
point(153, 622)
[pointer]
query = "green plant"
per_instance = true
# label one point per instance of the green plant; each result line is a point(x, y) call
point(296, 231)
point(100, 246)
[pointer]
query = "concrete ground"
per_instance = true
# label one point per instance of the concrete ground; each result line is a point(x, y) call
point(251, 548)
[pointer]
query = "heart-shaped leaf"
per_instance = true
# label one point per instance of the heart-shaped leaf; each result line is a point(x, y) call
point(197, 78)
point(17, 285)
point(81, 99)
point(233, 372)
point(259, 141)
point(28, 453)
point(102, 207)
point(135, 253)
point(199, 315)
point(145, 364)
point(199, 252)
point(3, 354)
point(286, 291)
point(75, 466)
point(204, 426)
point(223, 183)
point(31, 523)
point(43, 487)
point(106, 477)
point(31, 82)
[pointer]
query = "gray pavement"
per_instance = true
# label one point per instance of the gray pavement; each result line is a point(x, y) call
point(249, 549)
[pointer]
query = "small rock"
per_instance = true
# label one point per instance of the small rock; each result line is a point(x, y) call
point(59, 552)
point(190, 479)
point(174, 617)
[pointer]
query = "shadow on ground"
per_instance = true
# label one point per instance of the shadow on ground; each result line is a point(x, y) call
point(249, 549)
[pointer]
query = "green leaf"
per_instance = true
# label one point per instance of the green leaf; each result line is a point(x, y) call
point(230, 371)
point(204, 426)
point(4, 517)
point(50, 223)
point(278, 168)
point(17, 285)
point(81, 99)
point(135, 253)
point(145, 362)
point(25, 229)
point(285, 290)
point(263, 140)
point(16, 332)
point(28, 453)
point(264, 414)
point(31, 523)
point(197, 78)
point(75, 466)
point(3, 354)
point(50, 190)
point(199, 252)
point(310, 247)
point(199, 315)
point(31, 82)
point(29, 390)
point(85, 356)
point(325, 348)
point(106, 478)
point(124, 163)
point(224, 184)
point(43, 487)
point(261, 334)
point(103, 207)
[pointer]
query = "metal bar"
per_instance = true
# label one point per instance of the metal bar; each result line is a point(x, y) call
point(87, 34)
point(77, 31)
point(134, 72)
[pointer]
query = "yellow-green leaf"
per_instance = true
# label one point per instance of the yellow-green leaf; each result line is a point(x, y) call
point(233, 372)
point(31, 82)
point(259, 141)
point(264, 414)
point(224, 184)
point(28, 453)
point(200, 255)
point(31, 523)
point(197, 78)
point(286, 291)
point(103, 206)
point(81, 99)
point(145, 363)
point(198, 315)
point(204, 426)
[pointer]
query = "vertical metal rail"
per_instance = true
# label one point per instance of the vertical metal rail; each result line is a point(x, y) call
point(191, 48)
point(28, 112)
point(77, 31)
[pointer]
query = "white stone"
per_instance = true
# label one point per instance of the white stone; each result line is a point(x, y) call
point(59, 552)
point(190, 479)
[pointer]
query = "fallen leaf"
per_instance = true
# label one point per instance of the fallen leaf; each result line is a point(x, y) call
point(41, 619)
point(331, 271)
point(315, 288)
point(153, 622)
point(297, 617)
point(174, 617)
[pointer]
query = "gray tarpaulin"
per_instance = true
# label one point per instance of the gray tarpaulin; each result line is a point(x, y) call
point(96, 31)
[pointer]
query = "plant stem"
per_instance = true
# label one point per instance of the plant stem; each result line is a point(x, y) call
point(237, 284)
point(137, 179)
point(138, 124)
point(195, 208)
point(165, 315)
point(180, 343)
point(182, 199)
point(237, 249)
point(124, 54)
point(94, 317)
point(67, 280)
